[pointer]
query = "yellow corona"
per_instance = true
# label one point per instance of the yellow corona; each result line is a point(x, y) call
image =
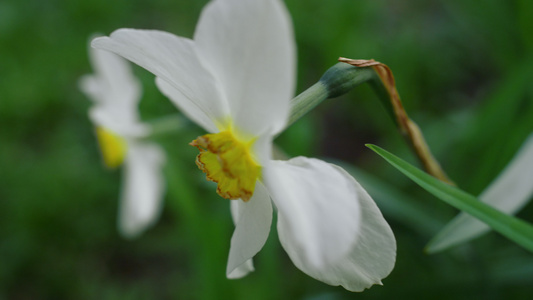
point(112, 146)
point(228, 162)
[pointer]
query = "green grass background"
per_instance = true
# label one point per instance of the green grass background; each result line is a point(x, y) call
point(463, 70)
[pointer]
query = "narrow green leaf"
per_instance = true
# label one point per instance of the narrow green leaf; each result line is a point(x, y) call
point(515, 229)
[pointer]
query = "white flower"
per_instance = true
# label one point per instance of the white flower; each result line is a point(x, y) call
point(509, 192)
point(235, 79)
point(116, 93)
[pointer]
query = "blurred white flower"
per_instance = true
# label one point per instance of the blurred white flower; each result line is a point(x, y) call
point(116, 93)
point(235, 79)
point(509, 192)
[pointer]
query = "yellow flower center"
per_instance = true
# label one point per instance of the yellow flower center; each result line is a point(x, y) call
point(228, 162)
point(112, 147)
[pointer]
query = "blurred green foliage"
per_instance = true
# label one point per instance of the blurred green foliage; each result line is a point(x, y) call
point(463, 69)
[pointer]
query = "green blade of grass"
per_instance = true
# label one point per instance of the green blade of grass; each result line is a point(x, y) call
point(515, 229)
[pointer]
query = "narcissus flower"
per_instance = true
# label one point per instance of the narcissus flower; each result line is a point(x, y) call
point(120, 133)
point(235, 79)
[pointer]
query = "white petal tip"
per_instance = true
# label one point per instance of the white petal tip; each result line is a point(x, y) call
point(238, 274)
point(360, 288)
point(97, 42)
point(240, 271)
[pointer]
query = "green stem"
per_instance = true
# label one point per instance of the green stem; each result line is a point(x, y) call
point(306, 101)
point(338, 80)
point(167, 124)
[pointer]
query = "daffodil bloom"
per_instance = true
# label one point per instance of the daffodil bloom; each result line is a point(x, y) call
point(120, 133)
point(235, 79)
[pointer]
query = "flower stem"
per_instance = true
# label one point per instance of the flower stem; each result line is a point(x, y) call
point(338, 80)
point(306, 101)
point(167, 124)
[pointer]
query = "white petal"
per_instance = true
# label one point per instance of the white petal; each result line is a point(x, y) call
point(111, 120)
point(509, 192)
point(187, 107)
point(116, 75)
point(242, 270)
point(319, 214)
point(113, 88)
point(236, 209)
point(262, 149)
point(143, 188)
point(326, 199)
point(372, 257)
point(253, 220)
point(176, 61)
point(249, 45)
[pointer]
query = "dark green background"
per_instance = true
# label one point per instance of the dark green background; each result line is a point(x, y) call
point(463, 69)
